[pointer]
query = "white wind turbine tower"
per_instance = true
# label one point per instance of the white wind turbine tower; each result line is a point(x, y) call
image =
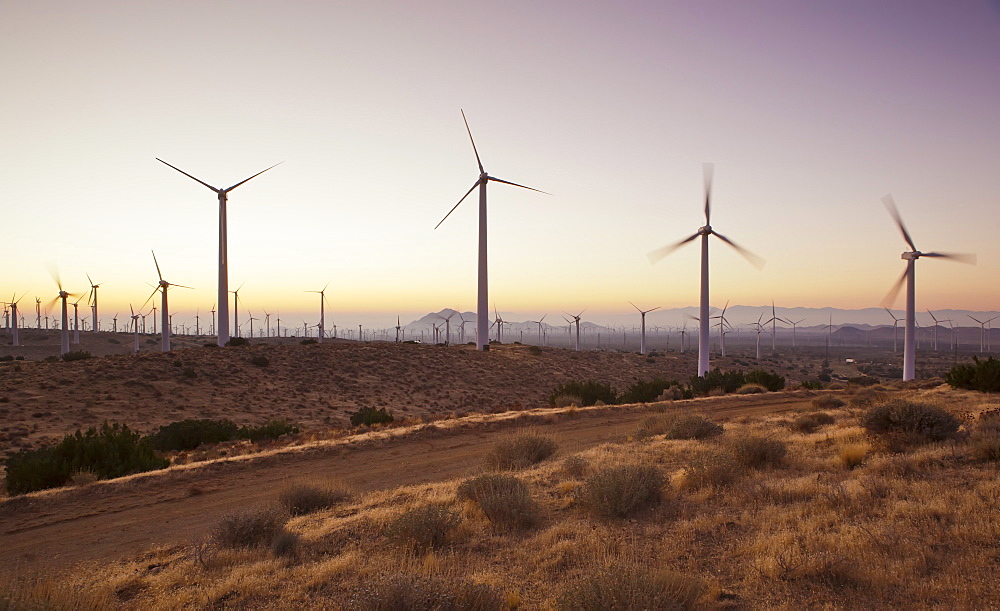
point(758, 327)
point(76, 321)
point(704, 232)
point(92, 299)
point(267, 322)
point(236, 311)
point(895, 328)
point(212, 332)
point(164, 310)
point(135, 330)
point(539, 323)
point(447, 327)
point(223, 334)
point(773, 322)
point(642, 337)
point(114, 323)
point(398, 327)
point(461, 328)
point(909, 276)
point(322, 312)
point(723, 323)
point(64, 328)
point(482, 304)
point(576, 321)
point(982, 331)
point(937, 323)
point(795, 324)
point(15, 337)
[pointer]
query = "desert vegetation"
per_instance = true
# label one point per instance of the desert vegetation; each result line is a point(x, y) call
point(813, 508)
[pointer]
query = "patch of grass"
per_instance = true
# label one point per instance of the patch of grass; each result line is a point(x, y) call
point(301, 499)
point(808, 423)
point(827, 402)
point(757, 451)
point(396, 592)
point(618, 491)
point(520, 450)
point(249, 529)
point(624, 587)
point(750, 389)
point(715, 470)
point(565, 400)
point(424, 527)
point(853, 455)
point(575, 466)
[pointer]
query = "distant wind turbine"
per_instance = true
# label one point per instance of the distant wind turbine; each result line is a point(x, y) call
point(937, 323)
point(92, 300)
point(642, 337)
point(704, 233)
point(539, 323)
point(15, 337)
point(909, 277)
point(982, 330)
point(164, 310)
point(795, 324)
point(576, 321)
point(135, 329)
point(895, 328)
point(236, 311)
point(223, 334)
point(482, 304)
point(64, 328)
point(322, 312)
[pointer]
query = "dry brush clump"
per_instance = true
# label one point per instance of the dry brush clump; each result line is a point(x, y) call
point(519, 450)
point(617, 491)
point(300, 499)
point(503, 499)
point(423, 527)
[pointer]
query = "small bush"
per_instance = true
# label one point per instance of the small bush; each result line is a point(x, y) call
point(395, 592)
point(693, 426)
point(863, 381)
point(424, 527)
point(827, 402)
point(189, 372)
point(812, 385)
point(564, 400)
point(711, 470)
point(757, 452)
point(369, 416)
point(978, 375)
point(750, 389)
point(238, 341)
point(589, 392)
point(248, 529)
point(853, 455)
point(575, 466)
point(301, 499)
point(866, 397)
point(520, 451)
point(308, 341)
point(768, 379)
point(503, 499)
point(808, 423)
point(535, 350)
point(647, 392)
point(917, 420)
point(624, 587)
point(189, 434)
point(260, 361)
point(285, 544)
point(717, 380)
point(618, 491)
point(269, 430)
point(77, 355)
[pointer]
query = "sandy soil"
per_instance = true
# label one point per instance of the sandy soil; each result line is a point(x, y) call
point(110, 520)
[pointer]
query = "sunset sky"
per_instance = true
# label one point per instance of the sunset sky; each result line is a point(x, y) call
point(811, 112)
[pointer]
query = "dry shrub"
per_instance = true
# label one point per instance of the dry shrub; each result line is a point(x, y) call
point(301, 499)
point(519, 451)
point(757, 451)
point(714, 470)
point(564, 400)
point(46, 593)
point(984, 444)
point(808, 423)
point(395, 592)
point(575, 466)
point(853, 455)
point(750, 389)
point(625, 587)
point(503, 499)
point(909, 421)
point(83, 478)
point(828, 402)
point(619, 490)
point(679, 426)
point(247, 529)
point(866, 397)
point(424, 527)
point(285, 544)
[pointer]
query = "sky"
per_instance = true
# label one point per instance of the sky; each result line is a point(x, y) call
point(810, 111)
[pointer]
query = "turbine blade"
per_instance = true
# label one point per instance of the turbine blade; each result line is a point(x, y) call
point(182, 286)
point(481, 170)
point(634, 306)
point(654, 309)
point(148, 298)
point(188, 175)
point(459, 203)
point(656, 255)
point(890, 297)
point(954, 256)
point(507, 182)
point(252, 177)
point(708, 170)
point(890, 205)
point(157, 266)
point(54, 272)
point(749, 256)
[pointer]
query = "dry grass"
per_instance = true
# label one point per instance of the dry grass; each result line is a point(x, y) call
point(911, 530)
point(520, 450)
point(300, 499)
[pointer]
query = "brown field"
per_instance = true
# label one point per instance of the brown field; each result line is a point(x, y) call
point(838, 521)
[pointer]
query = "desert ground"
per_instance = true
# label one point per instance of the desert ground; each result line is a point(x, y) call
point(814, 527)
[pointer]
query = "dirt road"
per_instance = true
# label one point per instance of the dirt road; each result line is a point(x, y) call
point(111, 520)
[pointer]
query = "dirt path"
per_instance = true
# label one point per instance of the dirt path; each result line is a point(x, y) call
point(107, 521)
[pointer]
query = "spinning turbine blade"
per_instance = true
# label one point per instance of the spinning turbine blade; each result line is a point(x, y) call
point(656, 255)
point(481, 170)
point(189, 176)
point(182, 286)
point(507, 182)
point(890, 297)
point(754, 260)
point(54, 272)
point(708, 169)
point(458, 204)
point(157, 266)
point(252, 177)
point(890, 205)
point(959, 257)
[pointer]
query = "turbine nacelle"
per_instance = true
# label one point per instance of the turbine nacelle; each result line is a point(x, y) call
point(911, 256)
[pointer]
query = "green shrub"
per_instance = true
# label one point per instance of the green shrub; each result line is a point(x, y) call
point(77, 355)
point(590, 392)
point(504, 499)
point(369, 416)
point(260, 361)
point(425, 527)
point(979, 375)
point(519, 451)
point(189, 434)
point(618, 491)
point(646, 392)
point(812, 385)
point(248, 529)
point(238, 341)
point(768, 379)
point(727, 381)
point(397, 591)
point(113, 451)
point(917, 420)
point(301, 499)
point(757, 451)
point(269, 430)
point(623, 587)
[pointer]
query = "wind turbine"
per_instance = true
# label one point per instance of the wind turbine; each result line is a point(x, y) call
point(76, 321)
point(213, 319)
point(794, 323)
point(773, 322)
point(267, 322)
point(64, 328)
point(909, 276)
point(758, 327)
point(704, 233)
point(92, 300)
point(895, 327)
point(642, 315)
point(15, 337)
point(236, 311)
point(576, 320)
point(982, 331)
point(539, 323)
point(114, 323)
point(482, 304)
point(223, 335)
point(322, 311)
point(447, 327)
point(164, 311)
point(135, 329)
point(723, 322)
point(398, 327)
point(937, 323)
